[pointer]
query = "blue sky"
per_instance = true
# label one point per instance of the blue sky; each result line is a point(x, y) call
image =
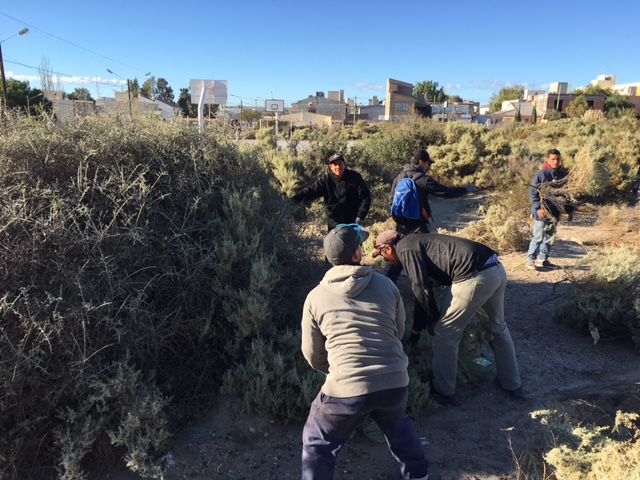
point(288, 50)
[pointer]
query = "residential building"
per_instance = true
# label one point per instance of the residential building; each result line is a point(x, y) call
point(559, 102)
point(608, 82)
point(400, 102)
point(334, 106)
point(630, 89)
point(66, 109)
point(373, 112)
point(560, 87)
point(510, 110)
point(307, 119)
point(464, 112)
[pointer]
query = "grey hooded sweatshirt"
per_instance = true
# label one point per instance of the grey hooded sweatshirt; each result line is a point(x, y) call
point(352, 326)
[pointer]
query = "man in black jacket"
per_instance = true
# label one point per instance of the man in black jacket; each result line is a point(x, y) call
point(418, 170)
point(476, 282)
point(346, 196)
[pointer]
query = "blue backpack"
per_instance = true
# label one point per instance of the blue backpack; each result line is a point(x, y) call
point(406, 201)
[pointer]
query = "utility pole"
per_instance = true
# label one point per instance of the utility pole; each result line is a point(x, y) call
point(5, 96)
point(355, 110)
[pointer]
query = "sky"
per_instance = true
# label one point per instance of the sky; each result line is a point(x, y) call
point(289, 50)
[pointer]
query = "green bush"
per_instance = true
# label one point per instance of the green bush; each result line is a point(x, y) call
point(146, 264)
point(580, 449)
point(138, 252)
point(608, 298)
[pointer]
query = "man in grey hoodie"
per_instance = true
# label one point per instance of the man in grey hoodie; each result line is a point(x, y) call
point(352, 325)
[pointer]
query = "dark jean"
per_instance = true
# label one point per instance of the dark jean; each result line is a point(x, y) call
point(332, 420)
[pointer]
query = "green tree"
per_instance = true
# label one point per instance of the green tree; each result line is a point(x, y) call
point(250, 115)
point(592, 90)
point(534, 115)
point(518, 117)
point(20, 95)
point(577, 108)
point(187, 109)
point(455, 98)
point(164, 91)
point(80, 93)
point(616, 101)
point(430, 91)
point(507, 93)
point(134, 87)
point(148, 89)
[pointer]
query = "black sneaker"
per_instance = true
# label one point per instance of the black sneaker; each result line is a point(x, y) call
point(545, 264)
point(449, 400)
point(517, 394)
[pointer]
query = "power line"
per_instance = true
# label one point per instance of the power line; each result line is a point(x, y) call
point(83, 49)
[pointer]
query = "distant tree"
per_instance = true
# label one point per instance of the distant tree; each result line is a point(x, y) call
point(430, 90)
point(80, 93)
point(615, 100)
point(592, 90)
point(534, 115)
point(507, 93)
point(250, 115)
point(134, 88)
point(615, 104)
point(47, 80)
point(455, 98)
point(518, 117)
point(20, 95)
point(164, 91)
point(148, 89)
point(187, 109)
point(577, 108)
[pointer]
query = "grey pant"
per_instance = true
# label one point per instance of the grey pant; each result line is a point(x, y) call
point(482, 294)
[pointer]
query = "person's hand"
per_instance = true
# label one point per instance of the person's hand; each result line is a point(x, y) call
point(542, 214)
point(471, 188)
point(360, 221)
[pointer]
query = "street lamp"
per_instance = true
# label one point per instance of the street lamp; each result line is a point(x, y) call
point(4, 81)
point(128, 88)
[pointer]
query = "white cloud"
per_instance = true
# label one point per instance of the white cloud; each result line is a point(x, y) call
point(367, 87)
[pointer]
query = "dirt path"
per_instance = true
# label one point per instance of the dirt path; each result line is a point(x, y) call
point(470, 441)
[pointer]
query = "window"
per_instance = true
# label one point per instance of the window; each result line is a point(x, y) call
point(402, 107)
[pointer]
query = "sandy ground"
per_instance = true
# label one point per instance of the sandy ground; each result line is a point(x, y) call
point(475, 440)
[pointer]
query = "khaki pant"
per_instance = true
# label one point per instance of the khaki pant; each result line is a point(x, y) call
point(482, 294)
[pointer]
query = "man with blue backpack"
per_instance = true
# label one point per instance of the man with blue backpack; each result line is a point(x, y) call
point(415, 182)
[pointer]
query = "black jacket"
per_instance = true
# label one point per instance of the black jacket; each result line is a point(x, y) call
point(431, 258)
point(426, 186)
point(345, 198)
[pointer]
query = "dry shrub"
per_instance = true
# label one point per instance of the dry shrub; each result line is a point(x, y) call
point(607, 299)
point(140, 261)
point(287, 171)
point(593, 115)
point(504, 226)
point(580, 449)
point(618, 225)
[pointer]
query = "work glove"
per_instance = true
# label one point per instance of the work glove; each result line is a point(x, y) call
point(471, 188)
